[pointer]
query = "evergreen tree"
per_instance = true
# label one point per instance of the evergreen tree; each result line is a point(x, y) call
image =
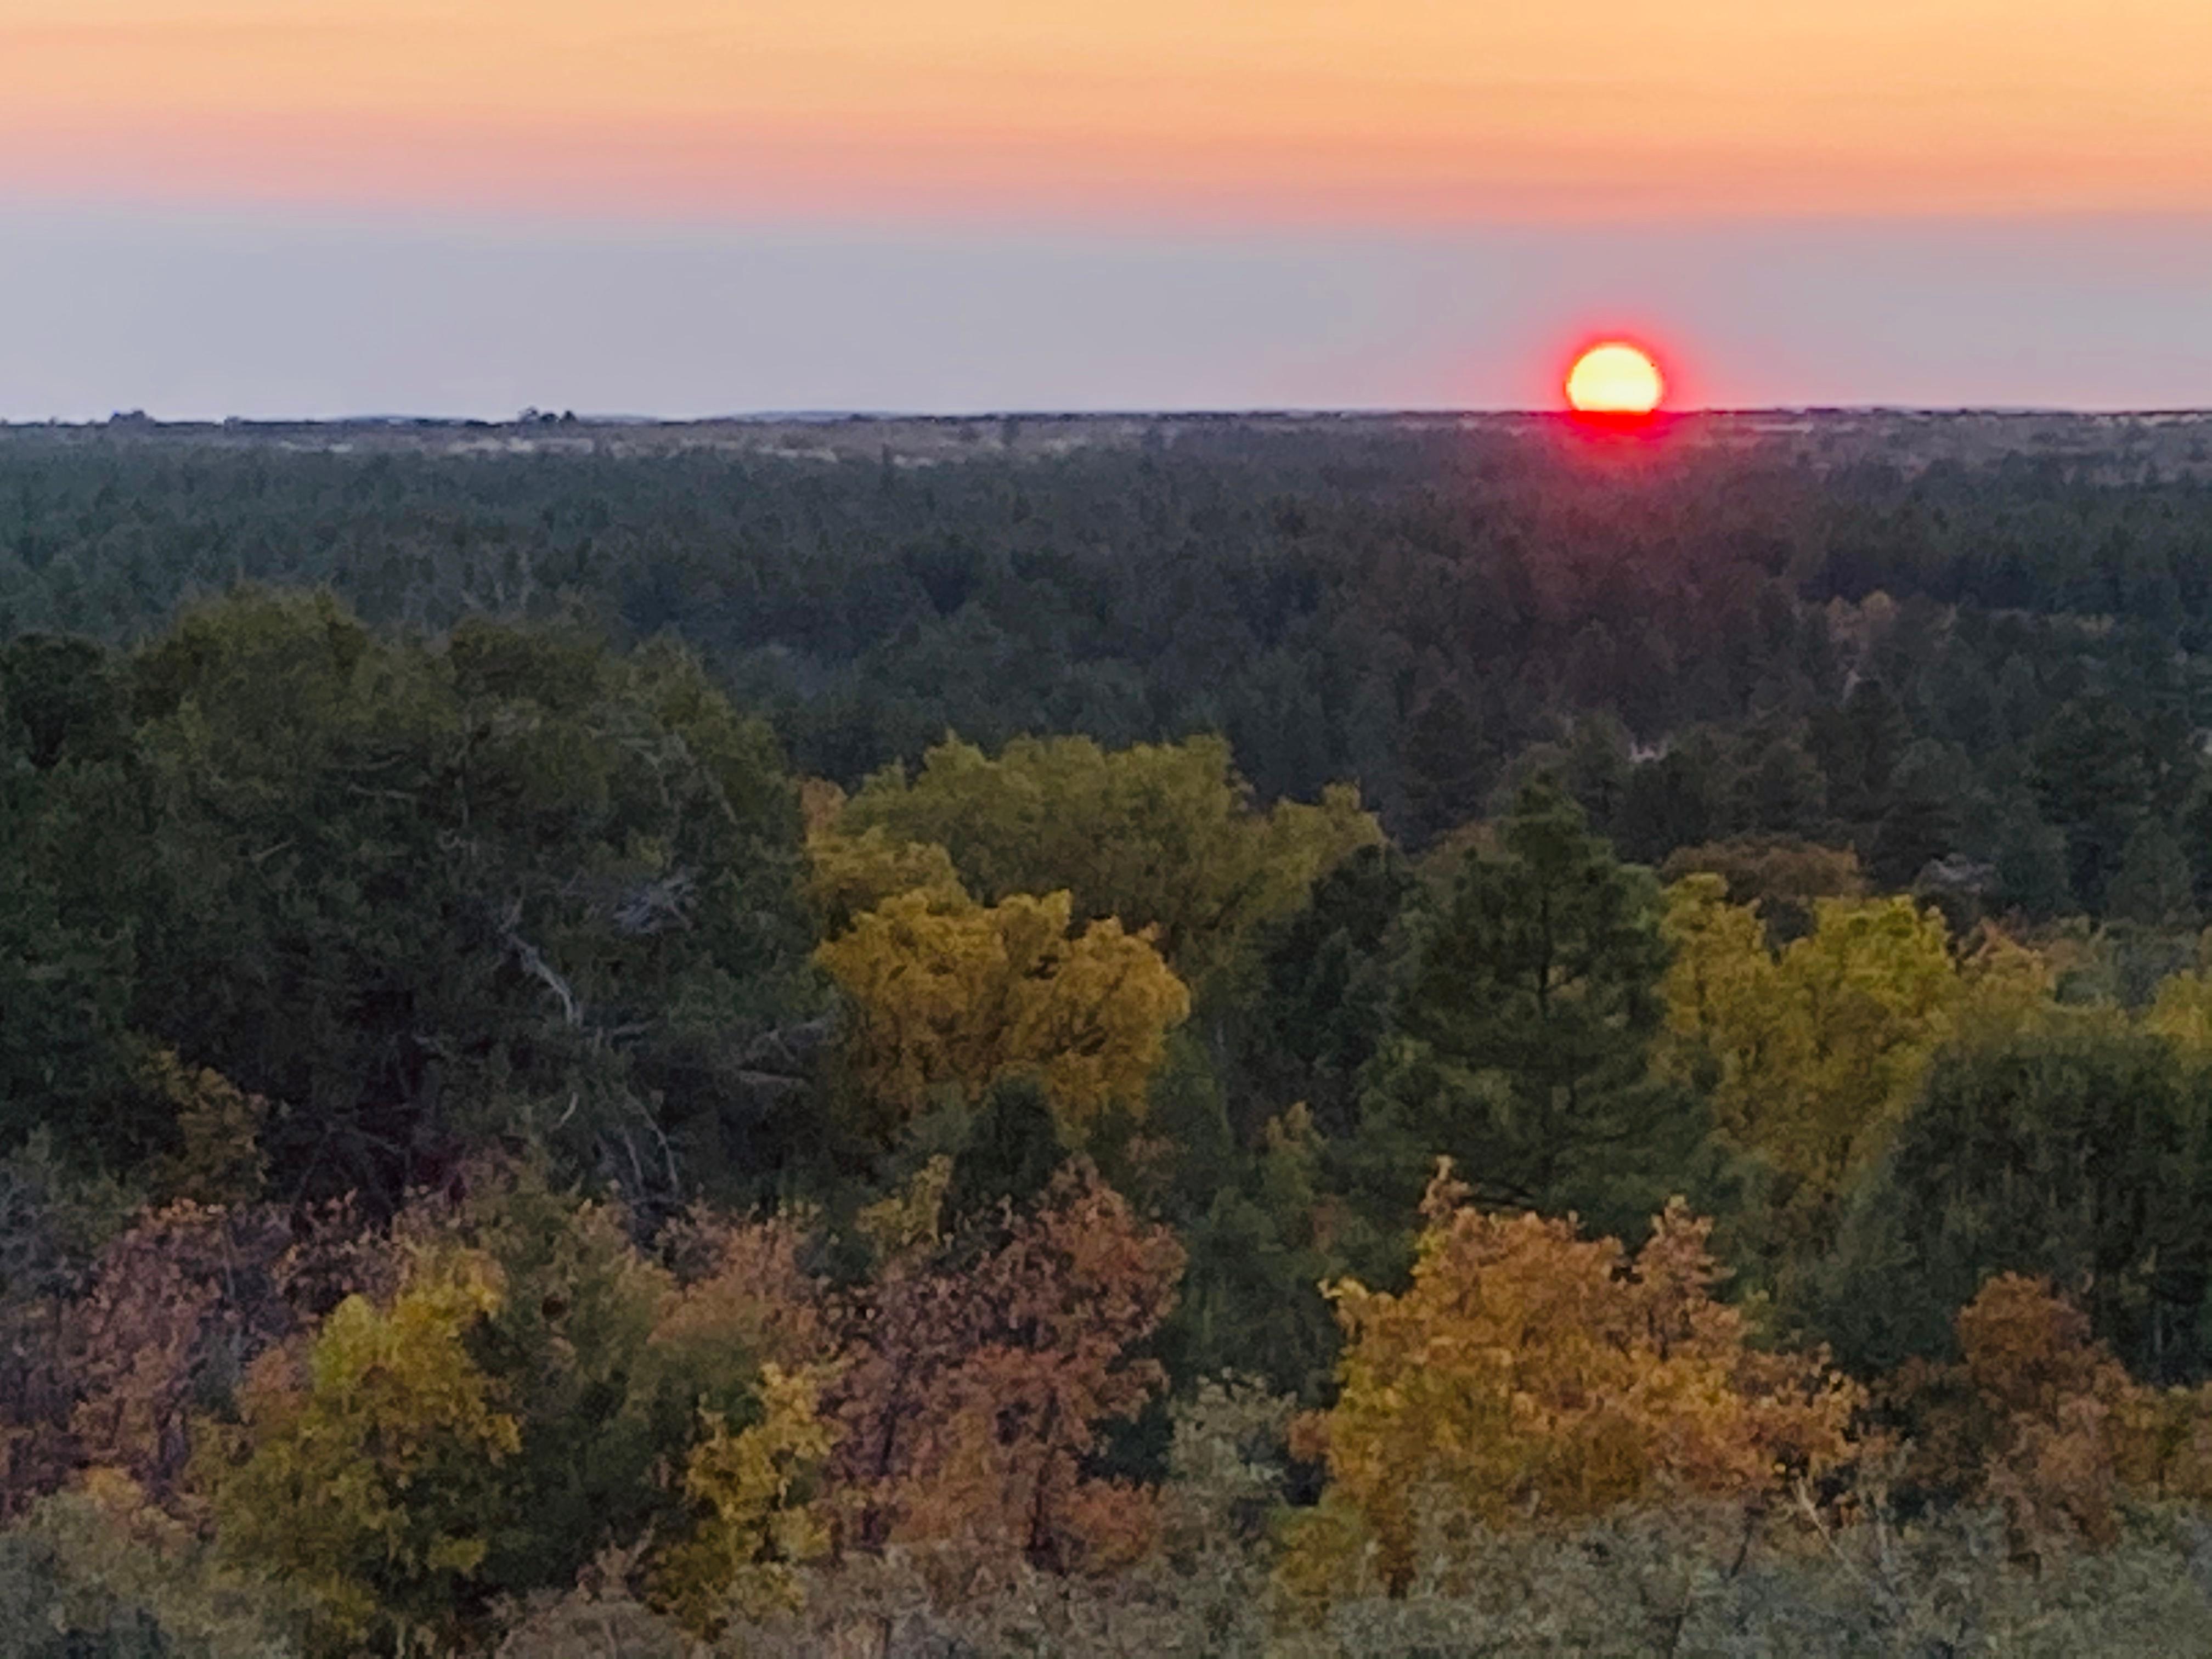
point(1012, 1149)
point(61, 700)
point(2153, 884)
point(1251, 1299)
point(1784, 792)
point(1859, 746)
point(1923, 819)
point(2030, 857)
point(1447, 760)
point(1324, 986)
point(2196, 840)
point(1522, 1041)
point(2090, 778)
point(2075, 1153)
point(1670, 802)
point(1597, 767)
point(512, 884)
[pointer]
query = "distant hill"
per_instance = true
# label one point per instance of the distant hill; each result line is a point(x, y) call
point(2175, 441)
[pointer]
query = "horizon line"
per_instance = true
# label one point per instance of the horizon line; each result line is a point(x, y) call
point(528, 418)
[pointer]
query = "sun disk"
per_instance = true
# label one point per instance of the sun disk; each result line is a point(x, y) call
point(1614, 377)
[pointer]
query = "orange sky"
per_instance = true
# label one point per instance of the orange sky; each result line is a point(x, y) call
point(1378, 111)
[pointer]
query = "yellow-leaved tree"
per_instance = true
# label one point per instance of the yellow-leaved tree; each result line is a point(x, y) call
point(1164, 836)
point(364, 1471)
point(849, 873)
point(757, 1513)
point(1530, 1375)
point(963, 996)
point(2181, 1013)
point(1813, 1055)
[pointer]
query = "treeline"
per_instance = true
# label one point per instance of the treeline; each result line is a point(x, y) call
point(1998, 665)
point(499, 1159)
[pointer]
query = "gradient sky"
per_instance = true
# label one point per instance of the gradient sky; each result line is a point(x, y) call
point(684, 206)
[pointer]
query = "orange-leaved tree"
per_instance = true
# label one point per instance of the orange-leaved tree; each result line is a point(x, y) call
point(982, 1373)
point(172, 1310)
point(2039, 1419)
point(1530, 1373)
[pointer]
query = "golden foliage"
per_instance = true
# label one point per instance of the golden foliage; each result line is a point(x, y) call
point(961, 998)
point(756, 1514)
point(907, 1219)
point(1163, 835)
point(2005, 986)
point(1813, 1055)
point(1780, 876)
point(847, 874)
point(2182, 1014)
point(1531, 1375)
point(365, 1473)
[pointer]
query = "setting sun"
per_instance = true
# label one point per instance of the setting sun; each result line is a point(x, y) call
point(1614, 378)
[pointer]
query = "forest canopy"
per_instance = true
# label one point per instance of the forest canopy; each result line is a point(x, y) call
point(1280, 1043)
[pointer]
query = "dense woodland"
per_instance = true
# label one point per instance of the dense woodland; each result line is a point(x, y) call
point(1283, 1043)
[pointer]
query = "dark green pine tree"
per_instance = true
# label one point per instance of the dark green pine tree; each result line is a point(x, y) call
point(1597, 768)
point(1324, 980)
point(2195, 838)
point(68, 865)
point(1447, 764)
point(1671, 801)
point(61, 699)
point(1522, 1037)
point(1859, 745)
point(2090, 778)
point(2030, 856)
point(1251, 1299)
point(2153, 885)
point(1924, 818)
point(2075, 1154)
point(1784, 792)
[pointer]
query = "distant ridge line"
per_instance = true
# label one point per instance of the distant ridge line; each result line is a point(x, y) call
point(830, 417)
point(138, 420)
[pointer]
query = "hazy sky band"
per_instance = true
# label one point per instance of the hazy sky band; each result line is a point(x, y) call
point(195, 313)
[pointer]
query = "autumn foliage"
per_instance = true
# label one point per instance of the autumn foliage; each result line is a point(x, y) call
point(960, 997)
point(1529, 1375)
point(757, 1517)
point(2037, 1416)
point(979, 1381)
point(1164, 838)
point(516, 1174)
point(172, 1310)
point(367, 1462)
